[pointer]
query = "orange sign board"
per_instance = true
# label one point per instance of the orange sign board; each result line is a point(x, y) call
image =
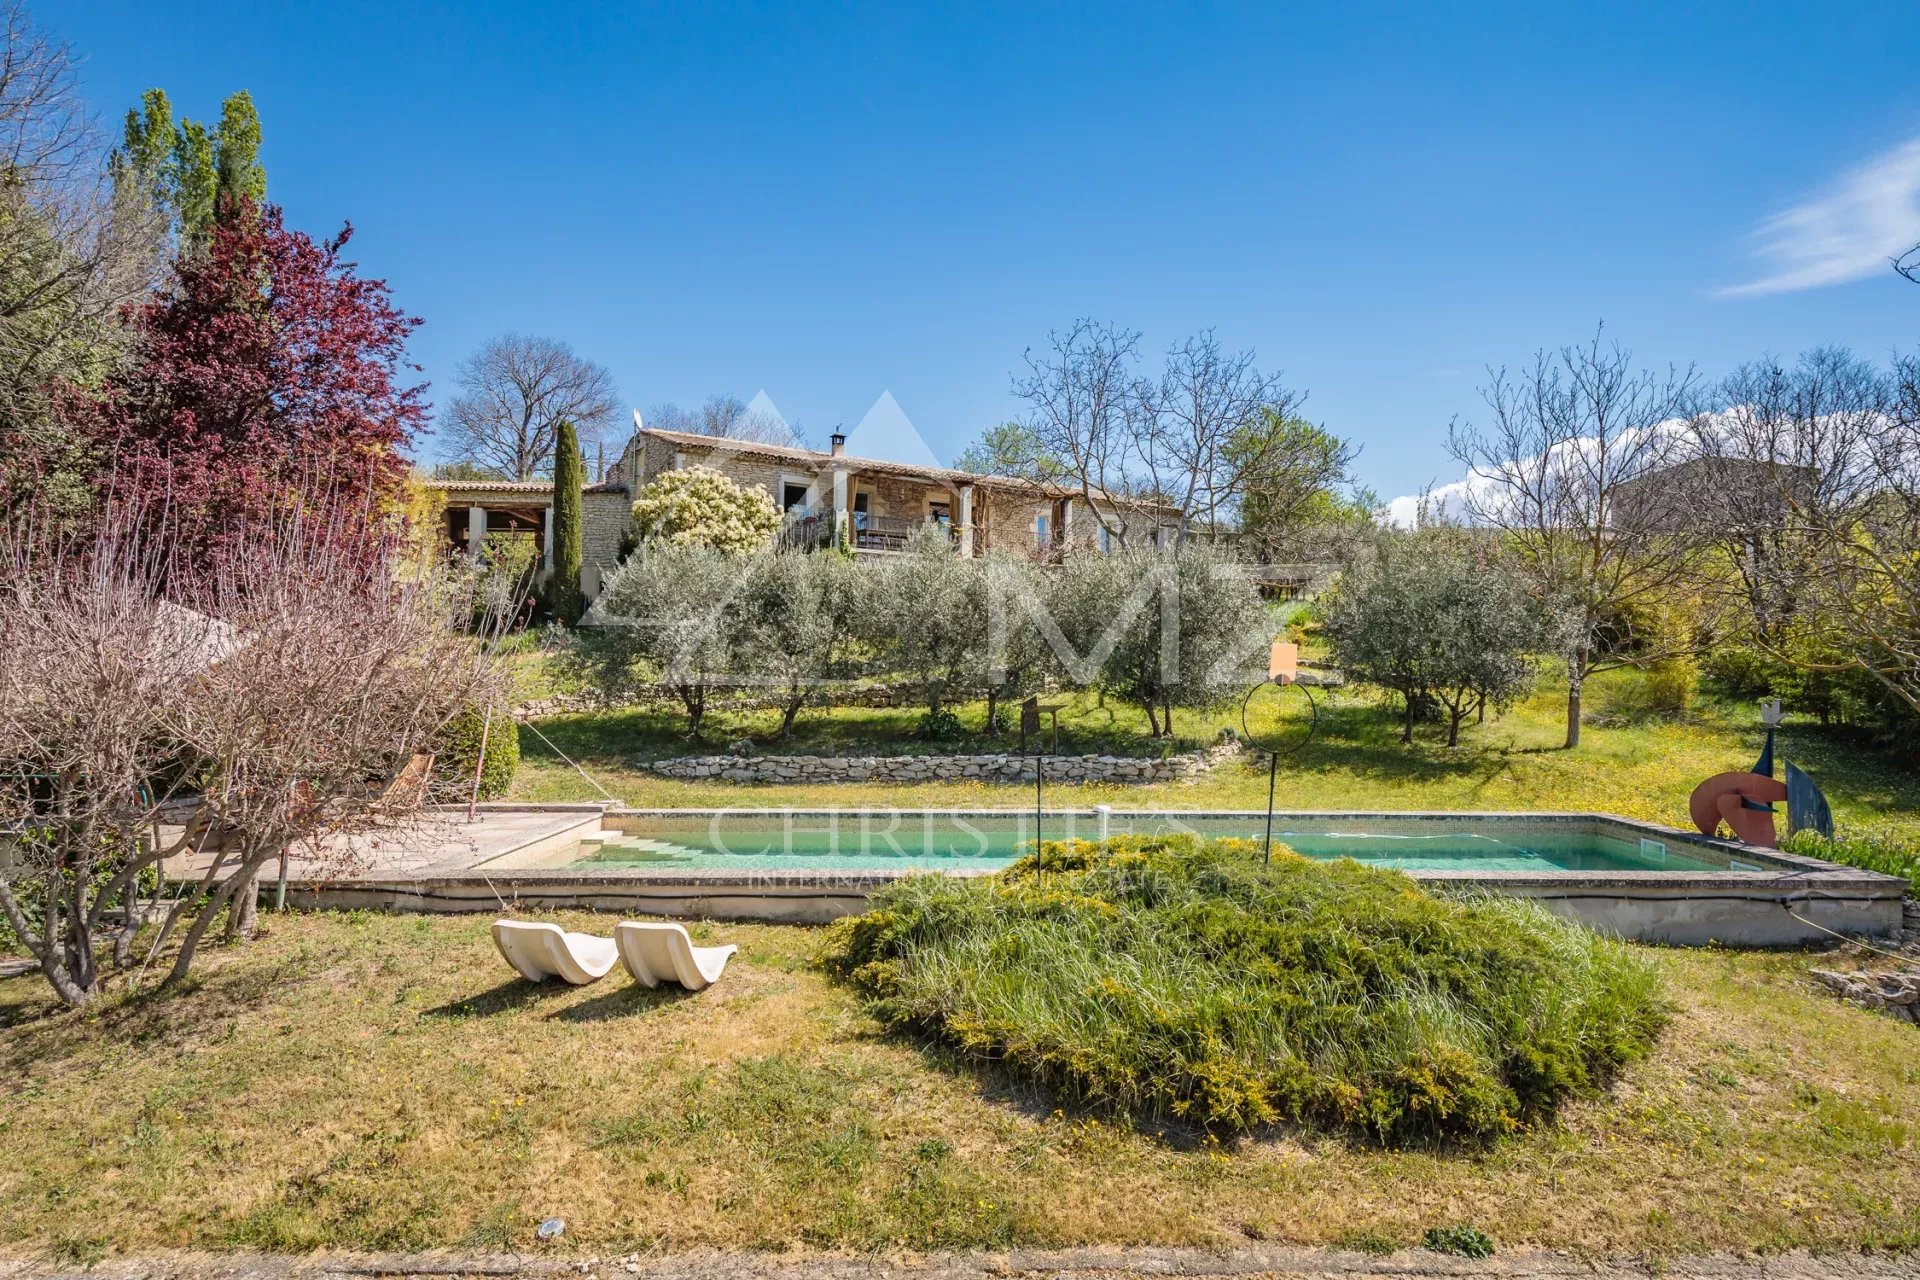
point(1283, 664)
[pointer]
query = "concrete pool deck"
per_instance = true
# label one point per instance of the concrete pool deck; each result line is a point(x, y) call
point(518, 856)
point(441, 841)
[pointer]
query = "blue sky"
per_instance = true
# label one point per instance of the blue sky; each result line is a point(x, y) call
point(830, 202)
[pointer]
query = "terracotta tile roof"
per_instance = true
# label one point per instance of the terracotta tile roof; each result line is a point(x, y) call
point(814, 458)
point(494, 486)
point(530, 487)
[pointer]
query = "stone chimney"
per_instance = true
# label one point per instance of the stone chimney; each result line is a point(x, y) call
point(837, 443)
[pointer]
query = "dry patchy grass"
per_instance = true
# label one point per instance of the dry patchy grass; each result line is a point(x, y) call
point(376, 1082)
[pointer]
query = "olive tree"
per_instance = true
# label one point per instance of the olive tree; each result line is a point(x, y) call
point(1018, 656)
point(925, 614)
point(671, 616)
point(1160, 629)
point(1440, 618)
point(795, 623)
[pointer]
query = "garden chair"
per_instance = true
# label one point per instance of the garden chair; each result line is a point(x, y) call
point(660, 951)
point(542, 951)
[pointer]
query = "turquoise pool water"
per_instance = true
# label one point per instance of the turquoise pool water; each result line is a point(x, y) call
point(976, 842)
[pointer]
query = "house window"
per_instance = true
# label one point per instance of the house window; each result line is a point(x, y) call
point(1040, 532)
point(940, 513)
point(1105, 539)
point(792, 495)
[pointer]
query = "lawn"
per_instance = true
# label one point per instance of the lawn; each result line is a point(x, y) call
point(367, 1081)
point(1639, 767)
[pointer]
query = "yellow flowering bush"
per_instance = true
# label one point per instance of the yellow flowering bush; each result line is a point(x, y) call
point(700, 507)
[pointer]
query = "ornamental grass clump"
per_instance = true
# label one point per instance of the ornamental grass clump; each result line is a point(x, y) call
point(1169, 977)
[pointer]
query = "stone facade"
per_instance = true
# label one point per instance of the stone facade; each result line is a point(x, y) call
point(972, 768)
point(606, 516)
point(1007, 515)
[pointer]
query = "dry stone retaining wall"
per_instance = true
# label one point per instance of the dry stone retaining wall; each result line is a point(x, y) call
point(972, 768)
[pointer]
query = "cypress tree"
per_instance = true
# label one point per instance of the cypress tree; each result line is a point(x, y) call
point(194, 184)
point(236, 149)
point(564, 600)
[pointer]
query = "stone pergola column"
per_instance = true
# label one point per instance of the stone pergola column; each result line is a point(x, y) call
point(840, 506)
point(963, 518)
point(476, 531)
point(546, 543)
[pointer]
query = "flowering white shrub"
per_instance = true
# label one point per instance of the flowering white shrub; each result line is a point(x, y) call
point(700, 507)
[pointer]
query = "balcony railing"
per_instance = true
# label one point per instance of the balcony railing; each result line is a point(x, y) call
point(807, 529)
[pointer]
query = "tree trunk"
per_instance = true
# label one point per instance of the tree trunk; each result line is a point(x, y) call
point(123, 942)
point(1455, 714)
point(243, 914)
point(1153, 718)
point(63, 984)
point(1576, 675)
point(1167, 722)
point(993, 705)
point(792, 710)
point(204, 921)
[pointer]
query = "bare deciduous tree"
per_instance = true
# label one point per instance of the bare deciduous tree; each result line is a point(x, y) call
point(726, 417)
point(73, 250)
point(1197, 436)
point(1554, 469)
point(514, 393)
point(1082, 404)
point(1823, 527)
point(286, 690)
point(1193, 438)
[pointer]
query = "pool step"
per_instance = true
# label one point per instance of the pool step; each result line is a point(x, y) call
point(614, 845)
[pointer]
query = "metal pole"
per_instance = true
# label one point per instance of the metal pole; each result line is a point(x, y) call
point(1273, 771)
point(480, 763)
point(280, 886)
point(1039, 773)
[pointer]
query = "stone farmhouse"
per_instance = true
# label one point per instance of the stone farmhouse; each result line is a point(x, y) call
point(871, 503)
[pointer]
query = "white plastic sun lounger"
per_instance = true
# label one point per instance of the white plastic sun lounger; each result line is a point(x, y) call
point(660, 951)
point(542, 951)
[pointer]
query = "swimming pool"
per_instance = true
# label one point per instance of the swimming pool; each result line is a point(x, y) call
point(900, 841)
point(1636, 879)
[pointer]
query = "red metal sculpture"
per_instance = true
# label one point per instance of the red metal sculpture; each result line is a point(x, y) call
point(1744, 800)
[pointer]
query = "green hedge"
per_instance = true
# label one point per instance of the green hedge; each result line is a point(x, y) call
point(1167, 977)
point(1889, 852)
point(457, 750)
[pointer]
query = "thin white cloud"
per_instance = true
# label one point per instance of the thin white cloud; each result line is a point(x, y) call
point(1846, 232)
point(1457, 500)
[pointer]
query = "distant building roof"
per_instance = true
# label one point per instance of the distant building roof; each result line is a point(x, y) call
point(494, 486)
point(529, 488)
